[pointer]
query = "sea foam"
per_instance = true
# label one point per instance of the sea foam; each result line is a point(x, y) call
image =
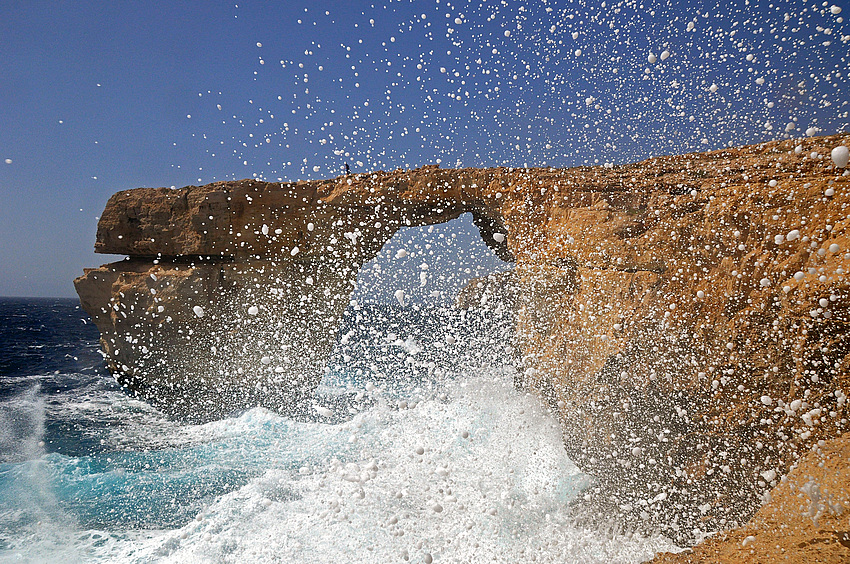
point(476, 472)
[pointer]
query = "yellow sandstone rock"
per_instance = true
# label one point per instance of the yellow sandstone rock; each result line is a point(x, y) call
point(686, 317)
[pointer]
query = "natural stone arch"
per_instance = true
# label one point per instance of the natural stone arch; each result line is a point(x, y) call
point(233, 292)
point(602, 254)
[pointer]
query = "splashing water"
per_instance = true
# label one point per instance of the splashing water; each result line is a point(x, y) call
point(547, 83)
point(479, 474)
point(456, 468)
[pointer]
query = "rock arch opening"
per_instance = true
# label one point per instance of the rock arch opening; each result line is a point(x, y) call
point(232, 293)
point(422, 313)
point(430, 264)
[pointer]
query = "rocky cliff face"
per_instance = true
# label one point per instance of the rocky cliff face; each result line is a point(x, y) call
point(235, 290)
point(694, 336)
point(805, 519)
point(685, 316)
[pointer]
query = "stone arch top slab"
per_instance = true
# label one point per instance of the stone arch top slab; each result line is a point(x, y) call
point(347, 218)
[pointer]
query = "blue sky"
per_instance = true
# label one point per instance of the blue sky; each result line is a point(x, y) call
point(97, 97)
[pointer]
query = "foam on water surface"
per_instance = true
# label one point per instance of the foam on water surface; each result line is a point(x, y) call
point(417, 451)
point(473, 472)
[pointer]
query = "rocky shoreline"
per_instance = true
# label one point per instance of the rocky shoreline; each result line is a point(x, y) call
point(686, 317)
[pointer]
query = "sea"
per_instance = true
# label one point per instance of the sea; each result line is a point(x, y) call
point(420, 449)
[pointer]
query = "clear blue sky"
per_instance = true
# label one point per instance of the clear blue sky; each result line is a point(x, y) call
point(97, 97)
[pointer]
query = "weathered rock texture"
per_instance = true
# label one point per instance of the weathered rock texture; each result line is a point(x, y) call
point(292, 251)
point(689, 349)
point(806, 519)
point(685, 316)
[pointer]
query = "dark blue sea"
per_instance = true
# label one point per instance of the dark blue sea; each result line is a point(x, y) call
point(431, 454)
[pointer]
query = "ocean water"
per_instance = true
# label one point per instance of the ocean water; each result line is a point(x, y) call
point(419, 449)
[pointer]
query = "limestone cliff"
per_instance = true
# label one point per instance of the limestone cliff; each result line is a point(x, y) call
point(685, 316)
point(690, 326)
point(805, 519)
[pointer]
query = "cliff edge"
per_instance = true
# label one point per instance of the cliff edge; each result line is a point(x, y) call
point(686, 317)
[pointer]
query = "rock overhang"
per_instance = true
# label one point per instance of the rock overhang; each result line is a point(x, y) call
point(640, 306)
point(292, 221)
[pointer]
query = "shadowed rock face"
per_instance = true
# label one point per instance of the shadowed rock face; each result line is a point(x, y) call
point(271, 267)
point(202, 364)
point(685, 316)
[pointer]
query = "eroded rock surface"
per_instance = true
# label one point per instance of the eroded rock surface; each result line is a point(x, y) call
point(805, 519)
point(685, 316)
point(234, 291)
point(689, 326)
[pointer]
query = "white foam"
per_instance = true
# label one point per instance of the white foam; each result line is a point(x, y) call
point(492, 484)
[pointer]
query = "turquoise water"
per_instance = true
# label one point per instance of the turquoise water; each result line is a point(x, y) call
point(430, 453)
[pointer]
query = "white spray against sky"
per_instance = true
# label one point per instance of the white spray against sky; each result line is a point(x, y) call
point(528, 82)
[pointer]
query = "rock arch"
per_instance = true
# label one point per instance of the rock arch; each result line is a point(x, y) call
point(675, 313)
point(235, 289)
